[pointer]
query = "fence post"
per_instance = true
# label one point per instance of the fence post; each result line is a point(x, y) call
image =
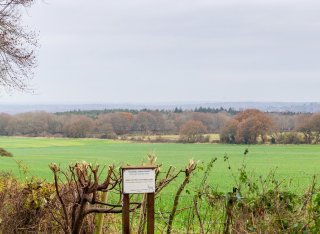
point(150, 213)
point(125, 214)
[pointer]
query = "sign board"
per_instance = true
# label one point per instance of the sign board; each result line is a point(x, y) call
point(141, 179)
point(138, 180)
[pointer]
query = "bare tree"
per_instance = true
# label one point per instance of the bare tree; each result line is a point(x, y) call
point(305, 126)
point(229, 131)
point(315, 122)
point(121, 122)
point(17, 55)
point(145, 123)
point(78, 126)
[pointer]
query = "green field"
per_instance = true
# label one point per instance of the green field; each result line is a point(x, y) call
point(298, 162)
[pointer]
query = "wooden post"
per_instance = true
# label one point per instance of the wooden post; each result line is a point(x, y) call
point(136, 187)
point(125, 214)
point(150, 213)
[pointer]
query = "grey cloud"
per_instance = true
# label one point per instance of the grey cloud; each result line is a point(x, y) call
point(201, 47)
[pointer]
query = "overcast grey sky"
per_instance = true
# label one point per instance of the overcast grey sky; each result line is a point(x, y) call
point(144, 51)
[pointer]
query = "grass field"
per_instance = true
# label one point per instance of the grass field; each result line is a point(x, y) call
point(298, 162)
point(212, 137)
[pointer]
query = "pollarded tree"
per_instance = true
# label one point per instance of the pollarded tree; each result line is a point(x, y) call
point(17, 56)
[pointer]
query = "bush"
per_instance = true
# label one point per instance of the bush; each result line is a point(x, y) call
point(109, 135)
point(5, 153)
point(194, 139)
point(254, 204)
point(26, 206)
point(289, 138)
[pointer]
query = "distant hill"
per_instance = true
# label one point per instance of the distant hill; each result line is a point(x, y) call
point(297, 107)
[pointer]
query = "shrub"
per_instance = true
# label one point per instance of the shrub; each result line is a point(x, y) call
point(109, 135)
point(26, 206)
point(289, 138)
point(5, 153)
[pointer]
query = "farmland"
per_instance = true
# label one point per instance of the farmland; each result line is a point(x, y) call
point(296, 162)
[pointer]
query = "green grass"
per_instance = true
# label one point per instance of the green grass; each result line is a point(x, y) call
point(298, 162)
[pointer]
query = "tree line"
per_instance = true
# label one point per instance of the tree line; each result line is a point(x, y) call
point(245, 127)
point(107, 125)
point(95, 113)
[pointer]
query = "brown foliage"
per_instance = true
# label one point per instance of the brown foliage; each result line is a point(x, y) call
point(78, 126)
point(246, 127)
point(25, 207)
point(252, 123)
point(249, 126)
point(192, 131)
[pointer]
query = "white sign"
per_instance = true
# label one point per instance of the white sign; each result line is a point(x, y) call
point(139, 181)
